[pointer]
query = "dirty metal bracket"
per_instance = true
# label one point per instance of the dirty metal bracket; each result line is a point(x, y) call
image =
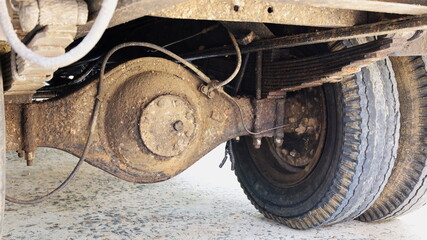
point(269, 113)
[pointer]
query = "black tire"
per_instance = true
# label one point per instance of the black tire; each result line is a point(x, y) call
point(357, 158)
point(406, 188)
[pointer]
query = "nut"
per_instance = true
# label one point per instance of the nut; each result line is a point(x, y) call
point(293, 153)
point(278, 141)
point(178, 126)
point(257, 143)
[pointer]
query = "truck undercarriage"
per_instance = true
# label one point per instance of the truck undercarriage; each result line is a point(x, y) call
point(322, 103)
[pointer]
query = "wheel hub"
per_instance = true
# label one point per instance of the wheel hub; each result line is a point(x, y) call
point(167, 125)
point(305, 133)
point(304, 139)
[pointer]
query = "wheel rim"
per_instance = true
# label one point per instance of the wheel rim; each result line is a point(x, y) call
point(304, 140)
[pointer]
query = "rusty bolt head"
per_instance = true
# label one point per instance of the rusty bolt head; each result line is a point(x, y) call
point(178, 126)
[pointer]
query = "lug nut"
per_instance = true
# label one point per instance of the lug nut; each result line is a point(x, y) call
point(278, 141)
point(293, 153)
point(257, 143)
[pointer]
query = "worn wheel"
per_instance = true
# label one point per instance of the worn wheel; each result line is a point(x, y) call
point(338, 177)
point(406, 188)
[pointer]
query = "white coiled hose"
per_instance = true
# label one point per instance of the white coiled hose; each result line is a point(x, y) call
point(100, 25)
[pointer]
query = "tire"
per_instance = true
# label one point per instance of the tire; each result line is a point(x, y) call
point(356, 160)
point(406, 188)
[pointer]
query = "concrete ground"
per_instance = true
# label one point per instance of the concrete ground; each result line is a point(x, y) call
point(204, 202)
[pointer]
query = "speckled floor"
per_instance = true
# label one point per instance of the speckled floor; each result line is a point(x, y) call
point(204, 202)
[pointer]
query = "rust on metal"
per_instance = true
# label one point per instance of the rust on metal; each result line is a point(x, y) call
point(280, 120)
point(168, 125)
point(305, 134)
point(29, 117)
point(131, 141)
point(265, 115)
point(155, 121)
point(304, 139)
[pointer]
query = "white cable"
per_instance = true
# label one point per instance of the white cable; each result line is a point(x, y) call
point(95, 33)
point(14, 8)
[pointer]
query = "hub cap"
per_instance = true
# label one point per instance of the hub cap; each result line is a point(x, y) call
point(167, 125)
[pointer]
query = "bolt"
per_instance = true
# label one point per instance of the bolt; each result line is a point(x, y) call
point(20, 153)
point(204, 89)
point(211, 94)
point(178, 125)
point(293, 153)
point(237, 139)
point(29, 156)
point(278, 141)
point(257, 143)
point(188, 115)
point(161, 103)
